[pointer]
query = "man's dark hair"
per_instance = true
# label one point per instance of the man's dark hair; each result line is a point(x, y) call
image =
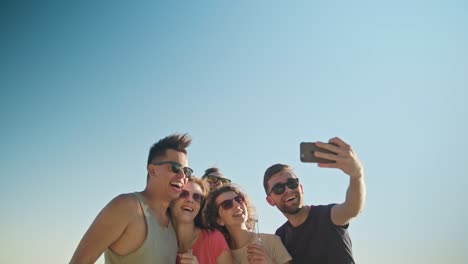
point(272, 170)
point(176, 142)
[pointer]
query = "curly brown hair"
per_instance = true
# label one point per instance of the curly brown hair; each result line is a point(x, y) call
point(210, 211)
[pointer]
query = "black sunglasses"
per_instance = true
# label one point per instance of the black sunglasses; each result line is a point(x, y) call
point(196, 196)
point(176, 167)
point(279, 188)
point(229, 203)
point(215, 179)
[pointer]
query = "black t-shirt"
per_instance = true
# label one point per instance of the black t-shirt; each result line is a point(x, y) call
point(317, 240)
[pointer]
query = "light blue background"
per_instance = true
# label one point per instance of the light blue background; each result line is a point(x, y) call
point(88, 87)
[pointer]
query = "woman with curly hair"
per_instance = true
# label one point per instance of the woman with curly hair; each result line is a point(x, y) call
point(228, 210)
point(196, 243)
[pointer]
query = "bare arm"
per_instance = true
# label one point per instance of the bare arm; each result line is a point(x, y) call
point(342, 213)
point(224, 258)
point(348, 162)
point(106, 229)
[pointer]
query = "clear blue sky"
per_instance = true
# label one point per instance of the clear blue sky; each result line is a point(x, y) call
point(88, 87)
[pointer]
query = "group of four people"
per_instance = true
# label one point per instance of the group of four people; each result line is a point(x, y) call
point(179, 218)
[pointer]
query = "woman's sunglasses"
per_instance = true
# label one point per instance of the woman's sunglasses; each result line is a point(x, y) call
point(229, 203)
point(279, 188)
point(176, 167)
point(196, 196)
point(215, 179)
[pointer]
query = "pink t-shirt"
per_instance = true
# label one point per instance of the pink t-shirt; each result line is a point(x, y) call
point(209, 245)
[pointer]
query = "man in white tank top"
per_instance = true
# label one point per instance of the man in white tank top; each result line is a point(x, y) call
point(135, 227)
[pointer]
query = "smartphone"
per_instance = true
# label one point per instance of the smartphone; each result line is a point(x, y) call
point(307, 153)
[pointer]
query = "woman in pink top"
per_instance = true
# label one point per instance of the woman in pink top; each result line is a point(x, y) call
point(196, 244)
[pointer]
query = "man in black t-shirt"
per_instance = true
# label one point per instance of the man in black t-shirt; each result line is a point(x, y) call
point(317, 234)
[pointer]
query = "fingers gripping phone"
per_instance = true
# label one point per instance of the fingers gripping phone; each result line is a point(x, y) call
point(307, 153)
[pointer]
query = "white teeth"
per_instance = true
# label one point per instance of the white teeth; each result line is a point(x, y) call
point(177, 185)
point(290, 198)
point(187, 209)
point(240, 213)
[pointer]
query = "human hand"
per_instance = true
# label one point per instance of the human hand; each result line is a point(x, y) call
point(257, 254)
point(188, 258)
point(345, 158)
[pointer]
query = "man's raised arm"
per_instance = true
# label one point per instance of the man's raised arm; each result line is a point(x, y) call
point(347, 161)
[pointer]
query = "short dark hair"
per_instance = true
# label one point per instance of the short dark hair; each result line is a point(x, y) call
point(272, 170)
point(176, 142)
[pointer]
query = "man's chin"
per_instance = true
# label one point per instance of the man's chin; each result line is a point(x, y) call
point(290, 210)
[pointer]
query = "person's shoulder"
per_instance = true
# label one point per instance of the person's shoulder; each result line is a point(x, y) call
point(285, 225)
point(322, 208)
point(322, 214)
point(273, 243)
point(269, 236)
point(214, 238)
point(282, 228)
point(125, 199)
point(215, 233)
point(127, 202)
point(119, 211)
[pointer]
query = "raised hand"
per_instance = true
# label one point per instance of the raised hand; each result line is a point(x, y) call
point(345, 158)
point(188, 258)
point(257, 254)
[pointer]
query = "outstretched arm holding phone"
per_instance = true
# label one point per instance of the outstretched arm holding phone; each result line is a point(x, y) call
point(347, 161)
point(317, 233)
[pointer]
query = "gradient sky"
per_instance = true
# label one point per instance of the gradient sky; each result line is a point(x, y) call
point(87, 87)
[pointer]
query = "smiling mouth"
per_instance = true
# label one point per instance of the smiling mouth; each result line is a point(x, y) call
point(188, 209)
point(239, 213)
point(177, 186)
point(290, 198)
